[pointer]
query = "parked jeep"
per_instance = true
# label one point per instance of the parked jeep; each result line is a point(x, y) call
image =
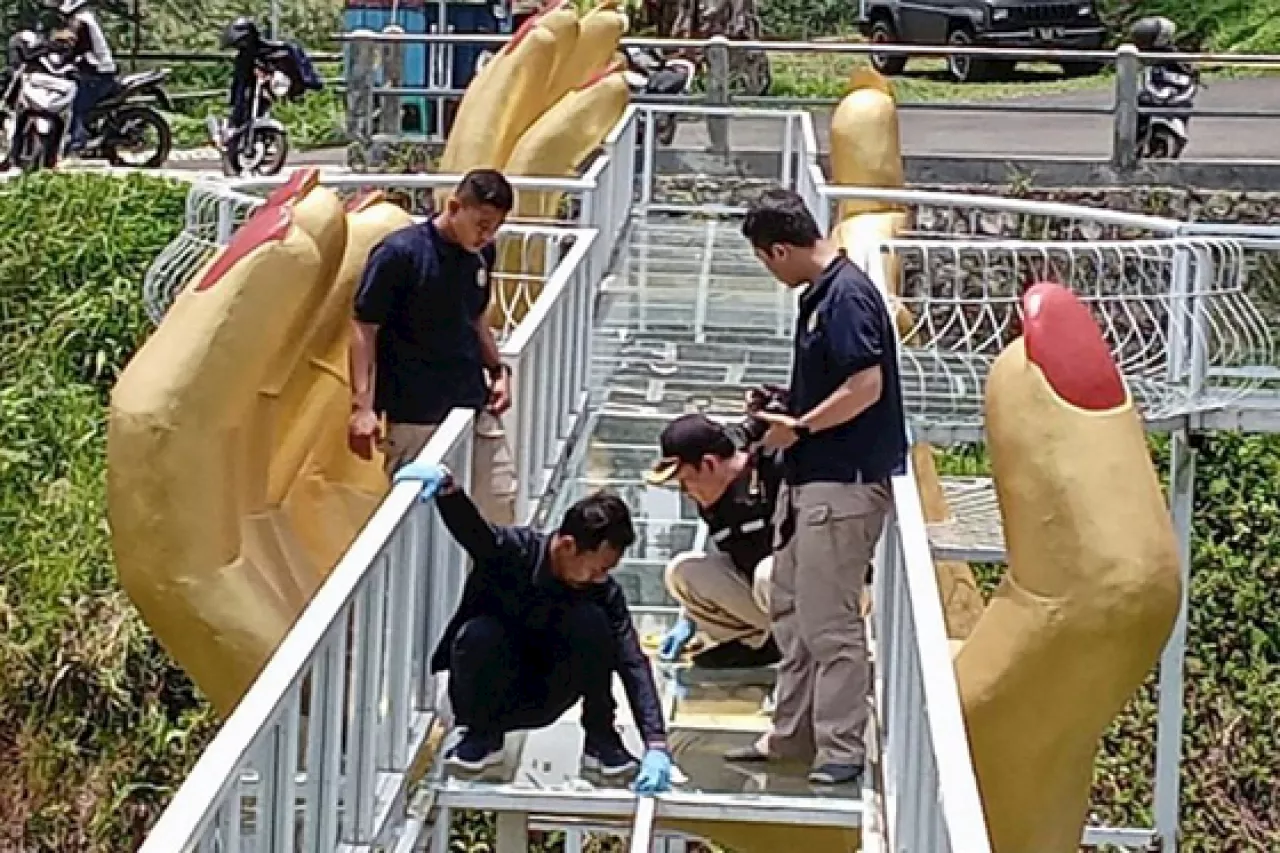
point(983, 23)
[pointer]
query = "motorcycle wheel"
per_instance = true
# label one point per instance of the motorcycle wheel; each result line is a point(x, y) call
point(128, 127)
point(268, 151)
point(1160, 147)
point(32, 152)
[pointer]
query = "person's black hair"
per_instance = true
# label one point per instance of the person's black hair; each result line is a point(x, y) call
point(599, 519)
point(487, 187)
point(780, 216)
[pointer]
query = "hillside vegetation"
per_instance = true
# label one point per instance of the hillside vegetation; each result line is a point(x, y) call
point(97, 726)
point(96, 723)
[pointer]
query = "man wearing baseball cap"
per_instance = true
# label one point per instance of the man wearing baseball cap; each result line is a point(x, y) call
point(723, 593)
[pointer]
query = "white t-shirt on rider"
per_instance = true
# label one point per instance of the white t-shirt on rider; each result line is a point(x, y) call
point(99, 51)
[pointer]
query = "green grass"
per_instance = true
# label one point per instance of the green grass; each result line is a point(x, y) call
point(96, 723)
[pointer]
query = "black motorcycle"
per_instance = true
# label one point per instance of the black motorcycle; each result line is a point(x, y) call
point(126, 128)
point(1171, 86)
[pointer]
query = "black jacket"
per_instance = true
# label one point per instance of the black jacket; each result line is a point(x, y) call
point(511, 572)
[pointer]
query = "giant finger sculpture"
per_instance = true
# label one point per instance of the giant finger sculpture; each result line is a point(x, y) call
point(1093, 585)
point(540, 108)
point(228, 500)
point(866, 152)
point(559, 141)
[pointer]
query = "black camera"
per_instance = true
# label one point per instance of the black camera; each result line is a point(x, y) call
point(764, 398)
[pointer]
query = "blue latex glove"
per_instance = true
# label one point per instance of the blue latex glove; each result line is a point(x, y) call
point(431, 476)
point(674, 641)
point(655, 773)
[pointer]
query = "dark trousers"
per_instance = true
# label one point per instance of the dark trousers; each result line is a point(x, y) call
point(504, 678)
point(92, 87)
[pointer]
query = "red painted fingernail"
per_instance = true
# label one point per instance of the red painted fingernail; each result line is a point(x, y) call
point(1064, 341)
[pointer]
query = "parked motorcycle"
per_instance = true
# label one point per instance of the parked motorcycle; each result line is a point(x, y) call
point(128, 128)
point(35, 111)
point(650, 73)
point(261, 147)
point(1164, 85)
point(1164, 136)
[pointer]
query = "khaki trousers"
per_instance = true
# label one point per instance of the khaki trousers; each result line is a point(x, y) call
point(493, 470)
point(718, 598)
point(818, 577)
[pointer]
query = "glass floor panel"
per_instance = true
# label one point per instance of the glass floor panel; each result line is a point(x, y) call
point(548, 760)
point(690, 321)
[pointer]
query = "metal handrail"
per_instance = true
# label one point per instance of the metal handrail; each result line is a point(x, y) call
point(964, 820)
point(193, 809)
point(831, 47)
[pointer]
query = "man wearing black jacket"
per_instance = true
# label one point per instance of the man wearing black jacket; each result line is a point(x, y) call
point(724, 592)
point(540, 626)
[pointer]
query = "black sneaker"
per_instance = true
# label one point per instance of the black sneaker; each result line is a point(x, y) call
point(476, 752)
point(836, 774)
point(607, 756)
point(738, 655)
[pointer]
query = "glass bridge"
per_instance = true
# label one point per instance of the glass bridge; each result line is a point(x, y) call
point(646, 311)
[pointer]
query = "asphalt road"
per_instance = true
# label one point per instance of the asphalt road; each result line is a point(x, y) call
point(933, 131)
point(928, 131)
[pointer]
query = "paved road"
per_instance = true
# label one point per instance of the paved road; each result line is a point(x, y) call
point(938, 132)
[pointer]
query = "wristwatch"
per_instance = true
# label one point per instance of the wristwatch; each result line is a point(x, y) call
point(803, 430)
point(498, 371)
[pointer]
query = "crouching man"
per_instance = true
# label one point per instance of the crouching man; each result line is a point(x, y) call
point(725, 593)
point(542, 625)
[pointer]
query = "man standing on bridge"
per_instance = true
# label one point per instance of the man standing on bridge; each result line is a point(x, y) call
point(541, 625)
point(844, 436)
point(422, 346)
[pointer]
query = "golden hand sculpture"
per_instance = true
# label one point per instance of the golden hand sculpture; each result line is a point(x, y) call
point(231, 493)
point(1093, 585)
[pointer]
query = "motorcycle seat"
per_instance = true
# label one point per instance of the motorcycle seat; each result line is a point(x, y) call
point(142, 78)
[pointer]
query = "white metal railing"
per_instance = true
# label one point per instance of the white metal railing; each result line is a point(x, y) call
point(550, 356)
point(360, 652)
point(603, 196)
point(930, 801)
point(318, 751)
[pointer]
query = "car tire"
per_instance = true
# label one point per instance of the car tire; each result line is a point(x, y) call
point(965, 69)
point(882, 32)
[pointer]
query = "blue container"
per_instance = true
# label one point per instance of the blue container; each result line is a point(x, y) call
point(426, 65)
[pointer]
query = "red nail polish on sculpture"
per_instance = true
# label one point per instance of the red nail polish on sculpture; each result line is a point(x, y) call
point(1064, 341)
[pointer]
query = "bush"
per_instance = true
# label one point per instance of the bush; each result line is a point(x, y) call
point(96, 724)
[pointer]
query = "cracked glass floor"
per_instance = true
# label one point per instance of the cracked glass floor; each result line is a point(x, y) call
point(689, 321)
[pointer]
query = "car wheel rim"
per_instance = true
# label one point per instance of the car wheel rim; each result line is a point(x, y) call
point(959, 64)
point(879, 37)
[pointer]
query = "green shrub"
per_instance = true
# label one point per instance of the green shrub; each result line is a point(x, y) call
point(96, 724)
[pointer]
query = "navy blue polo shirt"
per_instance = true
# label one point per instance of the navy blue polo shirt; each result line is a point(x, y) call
point(426, 293)
point(843, 328)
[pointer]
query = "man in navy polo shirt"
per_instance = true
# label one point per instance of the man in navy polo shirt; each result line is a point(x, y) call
point(422, 346)
point(843, 438)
